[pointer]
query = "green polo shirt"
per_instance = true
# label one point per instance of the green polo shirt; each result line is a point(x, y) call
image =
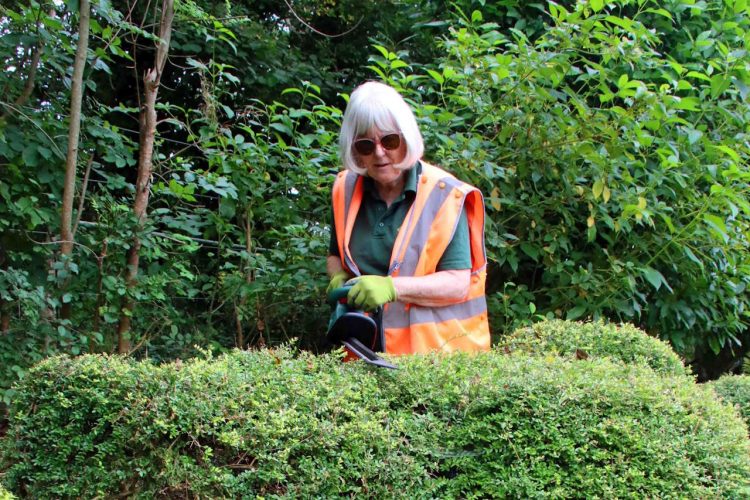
point(377, 226)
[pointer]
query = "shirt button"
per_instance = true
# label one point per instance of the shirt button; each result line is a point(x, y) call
point(381, 224)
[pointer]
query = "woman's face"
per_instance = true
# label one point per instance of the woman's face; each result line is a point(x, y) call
point(380, 163)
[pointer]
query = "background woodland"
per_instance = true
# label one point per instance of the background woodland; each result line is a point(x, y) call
point(165, 168)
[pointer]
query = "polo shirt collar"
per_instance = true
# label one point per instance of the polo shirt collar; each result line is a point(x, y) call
point(410, 186)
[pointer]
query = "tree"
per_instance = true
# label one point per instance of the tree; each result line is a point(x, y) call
point(71, 160)
point(151, 81)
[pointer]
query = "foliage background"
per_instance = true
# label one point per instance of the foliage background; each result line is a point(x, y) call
point(610, 141)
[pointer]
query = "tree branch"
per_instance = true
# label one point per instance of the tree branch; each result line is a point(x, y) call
point(308, 26)
point(82, 196)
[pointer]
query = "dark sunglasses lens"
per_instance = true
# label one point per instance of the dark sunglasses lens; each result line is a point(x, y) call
point(364, 146)
point(391, 141)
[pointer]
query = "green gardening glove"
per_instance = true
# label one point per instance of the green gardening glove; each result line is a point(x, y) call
point(370, 292)
point(337, 281)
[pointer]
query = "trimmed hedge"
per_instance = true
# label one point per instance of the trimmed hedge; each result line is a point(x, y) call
point(570, 339)
point(272, 423)
point(734, 389)
point(4, 494)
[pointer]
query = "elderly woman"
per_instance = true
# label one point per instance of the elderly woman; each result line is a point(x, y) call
point(410, 234)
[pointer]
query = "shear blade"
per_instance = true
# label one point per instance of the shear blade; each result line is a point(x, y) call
point(366, 354)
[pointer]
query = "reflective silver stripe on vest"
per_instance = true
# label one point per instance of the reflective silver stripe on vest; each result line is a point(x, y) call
point(350, 182)
point(418, 238)
point(464, 310)
point(398, 317)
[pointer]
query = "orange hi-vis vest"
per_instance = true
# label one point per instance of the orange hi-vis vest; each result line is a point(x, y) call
point(421, 241)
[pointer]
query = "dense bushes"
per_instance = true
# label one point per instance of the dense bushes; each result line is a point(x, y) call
point(611, 147)
point(735, 389)
point(269, 423)
point(610, 140)
point(582, 340)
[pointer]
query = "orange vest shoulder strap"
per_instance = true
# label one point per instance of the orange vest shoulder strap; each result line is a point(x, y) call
point(347, 198)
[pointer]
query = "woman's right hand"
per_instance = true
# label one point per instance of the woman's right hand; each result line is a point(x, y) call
point(337, 281)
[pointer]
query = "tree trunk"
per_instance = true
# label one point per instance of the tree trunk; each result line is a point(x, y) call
point(30, 83)
point(76, 96)
point(99, 291)
point(240, 339)
point(4, 306)
point(151, 80)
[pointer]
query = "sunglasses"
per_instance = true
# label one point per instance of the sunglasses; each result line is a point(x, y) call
point(366, 147)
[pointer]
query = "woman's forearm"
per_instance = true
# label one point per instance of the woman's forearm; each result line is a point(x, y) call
point(333, 265)
point(434, 290)
point(438, 289)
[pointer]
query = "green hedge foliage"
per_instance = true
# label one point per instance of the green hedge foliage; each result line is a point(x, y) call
point(4, 494)
point(625, 343)
point(278, 424)
point(735, 389)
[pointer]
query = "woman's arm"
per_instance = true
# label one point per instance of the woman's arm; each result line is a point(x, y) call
point(333, 265)
point(434, 290)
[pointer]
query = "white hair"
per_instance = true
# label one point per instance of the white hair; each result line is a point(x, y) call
point(375, 104)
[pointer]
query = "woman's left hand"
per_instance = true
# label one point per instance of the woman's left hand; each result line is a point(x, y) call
point(370, 292)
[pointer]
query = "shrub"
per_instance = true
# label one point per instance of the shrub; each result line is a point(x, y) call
point(609, 139)
point(4, 494)
point(269, 423)
point(625, 343)
point(735, 389)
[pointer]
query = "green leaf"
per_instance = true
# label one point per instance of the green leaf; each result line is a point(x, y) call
point(655, 278)
point(625, 24)
point(660, 12)
point(596, 5)
point(694, 135)
point(713, 342)
point(591, 233)
point(729, 151)
point(719, 83)
point(718, 225)
point(436, 76)
point(687, 103)
point(231, 78)
point(698, 75)
point(73, 6)
point(284, 129)
point(690, 255)
point(30, 155)
point(575, 313)
point(668, 221)
point(597, 189)
point(382, 50)
point(530, 250)
point(622, 81)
